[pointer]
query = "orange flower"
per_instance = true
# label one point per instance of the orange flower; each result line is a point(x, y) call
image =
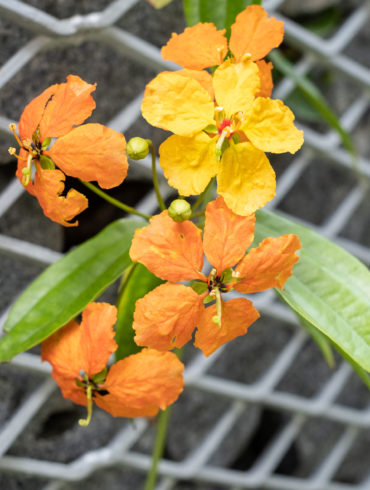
point(253, 34)
point(135, 386)
point(88, 152)
point(167, 316)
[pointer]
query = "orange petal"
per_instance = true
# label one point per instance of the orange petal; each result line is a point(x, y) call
point(226, 235)
point(92, 152)
point(269, 265)
point(198, 47)
point(255, 33)
point(70, 105)
point(97, 336)
point(32, 114)
point(48, 187)
point(141, 384)
point(172, 251)
point(237, 315)
point(166, 317)
point(85, 347)
point(266, 78)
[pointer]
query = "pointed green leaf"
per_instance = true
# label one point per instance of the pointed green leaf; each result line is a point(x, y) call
point(137, 282)
point(329, 288)
point(64, 289)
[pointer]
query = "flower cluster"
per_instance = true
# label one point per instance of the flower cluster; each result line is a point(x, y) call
point(88, 152)
point(174, 252)
point(223, 125)
point(133, 387)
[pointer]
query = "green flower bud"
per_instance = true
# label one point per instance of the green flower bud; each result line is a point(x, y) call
point(179, 210)
point(137, 148)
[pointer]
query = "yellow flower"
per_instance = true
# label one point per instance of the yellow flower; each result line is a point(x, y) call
point(226, 135)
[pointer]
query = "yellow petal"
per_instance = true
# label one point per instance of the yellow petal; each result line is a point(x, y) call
point(189, 163)
point(235, 86)
point(201, 76)
point(270, 127)
point(178, 104)
point(245, 179)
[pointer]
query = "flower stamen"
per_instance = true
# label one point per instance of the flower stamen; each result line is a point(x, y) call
point(13, 128)
point(89, 393)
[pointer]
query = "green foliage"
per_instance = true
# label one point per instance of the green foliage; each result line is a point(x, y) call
point(329, 289)
point(136, 283)
point(222, 12)
point(64, 289)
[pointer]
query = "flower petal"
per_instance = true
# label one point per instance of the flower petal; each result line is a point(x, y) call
point(269, 265)
point(48, 187)
point(178, 104)
point(167, 316)
point(198, 47)
point(246, 179)
point(226, 235)
point(85, 347)
point(201, 76)
point(266, 78)
point(189, 163)
point(97, 336)
point(32, 114)
point(172, 251)
point(70, 105)
point(269, 126)
point(254, 33)
point(237, 315)
point(92, 152)
point(141, 384)
point(235, 86)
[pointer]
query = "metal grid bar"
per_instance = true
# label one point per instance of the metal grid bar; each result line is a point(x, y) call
point(100, 27)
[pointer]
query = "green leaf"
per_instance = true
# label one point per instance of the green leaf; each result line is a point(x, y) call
point(329, 288)
point(302, 107)
point(64, 289)
point(137, 282)
point(321, 340)
point(222, 13)
point(314, 96)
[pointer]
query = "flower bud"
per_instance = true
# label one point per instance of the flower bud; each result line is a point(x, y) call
point(137, 148)
point(179, 210)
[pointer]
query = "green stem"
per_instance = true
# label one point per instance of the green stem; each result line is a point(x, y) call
point(195, 215)
point(113, 201)
point(158, 448)
point(155, 178)
point(203, 196)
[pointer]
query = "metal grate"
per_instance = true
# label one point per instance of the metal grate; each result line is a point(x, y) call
point(330, 401)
